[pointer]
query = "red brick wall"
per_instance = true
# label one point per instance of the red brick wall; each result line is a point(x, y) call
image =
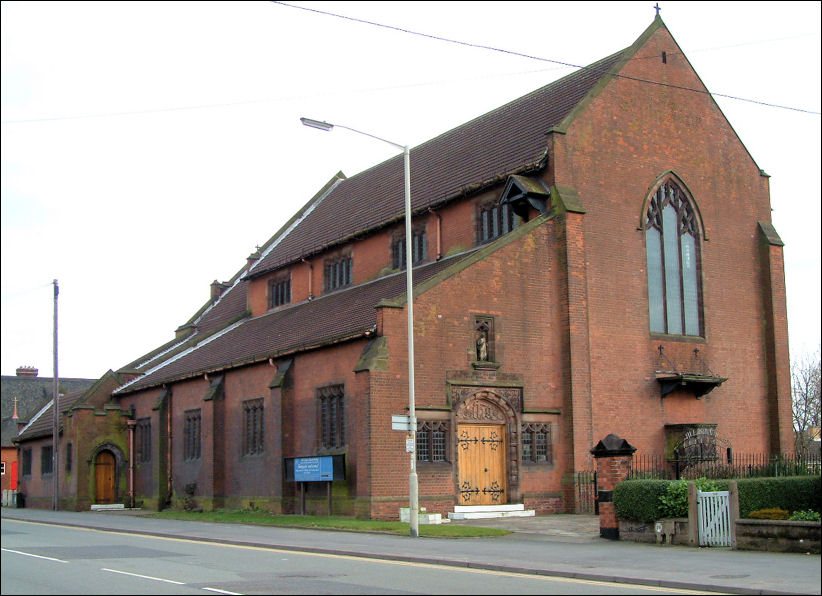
point(513, 285)
point(628, 136)
point(570, 302)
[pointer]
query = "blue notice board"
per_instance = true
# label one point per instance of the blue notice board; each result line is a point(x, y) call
point(313, 469)
point(317, 468)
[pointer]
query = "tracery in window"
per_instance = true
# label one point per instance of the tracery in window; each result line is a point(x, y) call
point(672, 249)
point(432, 441)
point(536, 443)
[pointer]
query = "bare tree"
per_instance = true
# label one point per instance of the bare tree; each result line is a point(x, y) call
point(805, 388)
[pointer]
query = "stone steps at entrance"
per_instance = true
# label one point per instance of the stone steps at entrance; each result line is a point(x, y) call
point(489, 511)
point(108, 507)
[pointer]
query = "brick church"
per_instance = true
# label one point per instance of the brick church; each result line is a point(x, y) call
point(595, 257)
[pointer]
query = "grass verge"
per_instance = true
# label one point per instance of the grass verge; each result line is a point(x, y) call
point(318, 522)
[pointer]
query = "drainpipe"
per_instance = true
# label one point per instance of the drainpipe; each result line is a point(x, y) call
point(131, 423)
point(168, 448)
point(310, 278)
point(439, 232)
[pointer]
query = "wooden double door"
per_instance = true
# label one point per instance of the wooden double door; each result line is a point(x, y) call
point(481, 453)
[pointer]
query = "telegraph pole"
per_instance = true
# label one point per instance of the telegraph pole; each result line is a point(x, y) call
point(55, 418)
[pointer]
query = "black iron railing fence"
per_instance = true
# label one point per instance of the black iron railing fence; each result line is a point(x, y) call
point(585, 488)
point(724, 465)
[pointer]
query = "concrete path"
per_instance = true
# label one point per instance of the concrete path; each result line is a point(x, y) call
point(557, 545)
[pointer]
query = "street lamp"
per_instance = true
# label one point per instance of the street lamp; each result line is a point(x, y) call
point(413, 486)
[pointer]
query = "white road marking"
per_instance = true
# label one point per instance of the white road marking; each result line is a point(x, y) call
point(17, 552)
point(158, 579)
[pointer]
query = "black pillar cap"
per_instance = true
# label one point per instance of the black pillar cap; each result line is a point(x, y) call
point(612, 446)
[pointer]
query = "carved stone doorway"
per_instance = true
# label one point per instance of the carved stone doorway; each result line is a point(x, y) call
point(487, 421)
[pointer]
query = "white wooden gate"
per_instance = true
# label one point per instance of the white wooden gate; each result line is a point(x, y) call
point(714, 518)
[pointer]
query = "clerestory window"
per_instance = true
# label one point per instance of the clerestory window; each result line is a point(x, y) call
point(419, 248)
point(279, 291)
point(672, 249)
point(337, 273)
point(495, 219)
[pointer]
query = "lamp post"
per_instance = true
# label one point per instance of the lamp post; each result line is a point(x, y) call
point(413, 486)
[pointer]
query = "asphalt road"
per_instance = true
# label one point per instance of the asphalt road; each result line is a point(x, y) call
point(52, 559)
point(549, 557)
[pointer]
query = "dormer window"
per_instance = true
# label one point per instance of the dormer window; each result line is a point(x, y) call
point(337, 272)
point(524, 194)
point(419, 248)
point(279, 291)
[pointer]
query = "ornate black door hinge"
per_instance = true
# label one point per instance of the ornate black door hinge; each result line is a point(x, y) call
point(495, 491)
point(467, 492)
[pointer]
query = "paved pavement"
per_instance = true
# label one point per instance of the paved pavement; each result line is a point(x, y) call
point(556, 545)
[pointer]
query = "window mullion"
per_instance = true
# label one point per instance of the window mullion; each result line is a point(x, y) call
point(681, 272)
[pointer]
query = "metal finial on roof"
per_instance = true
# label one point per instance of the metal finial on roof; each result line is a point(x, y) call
point(657, 8)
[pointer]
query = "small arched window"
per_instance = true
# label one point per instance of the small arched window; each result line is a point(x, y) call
point(672, 247)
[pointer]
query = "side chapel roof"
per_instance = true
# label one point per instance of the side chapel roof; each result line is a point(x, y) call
point(96, 395)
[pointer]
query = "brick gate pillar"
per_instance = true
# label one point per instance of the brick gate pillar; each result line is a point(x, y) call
point(614, 457)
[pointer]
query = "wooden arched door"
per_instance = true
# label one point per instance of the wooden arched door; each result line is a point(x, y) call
point(104, 474)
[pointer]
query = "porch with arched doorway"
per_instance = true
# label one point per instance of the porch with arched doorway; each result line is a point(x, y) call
point(107, 463)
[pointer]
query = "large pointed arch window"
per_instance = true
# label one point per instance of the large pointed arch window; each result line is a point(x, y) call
point(672, 246)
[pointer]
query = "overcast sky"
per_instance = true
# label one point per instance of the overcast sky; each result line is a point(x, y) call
point(148, 148)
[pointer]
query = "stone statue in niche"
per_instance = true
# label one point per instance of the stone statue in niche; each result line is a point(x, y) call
point(482, 347)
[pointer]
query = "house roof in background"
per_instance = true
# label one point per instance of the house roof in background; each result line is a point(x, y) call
point(42, 423)
point(32, 394)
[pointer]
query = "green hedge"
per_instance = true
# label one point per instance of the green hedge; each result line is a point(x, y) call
point(645, 500)
point(639, 500)
point(792, 493)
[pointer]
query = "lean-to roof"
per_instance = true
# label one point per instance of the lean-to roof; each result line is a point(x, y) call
point(343, 315)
